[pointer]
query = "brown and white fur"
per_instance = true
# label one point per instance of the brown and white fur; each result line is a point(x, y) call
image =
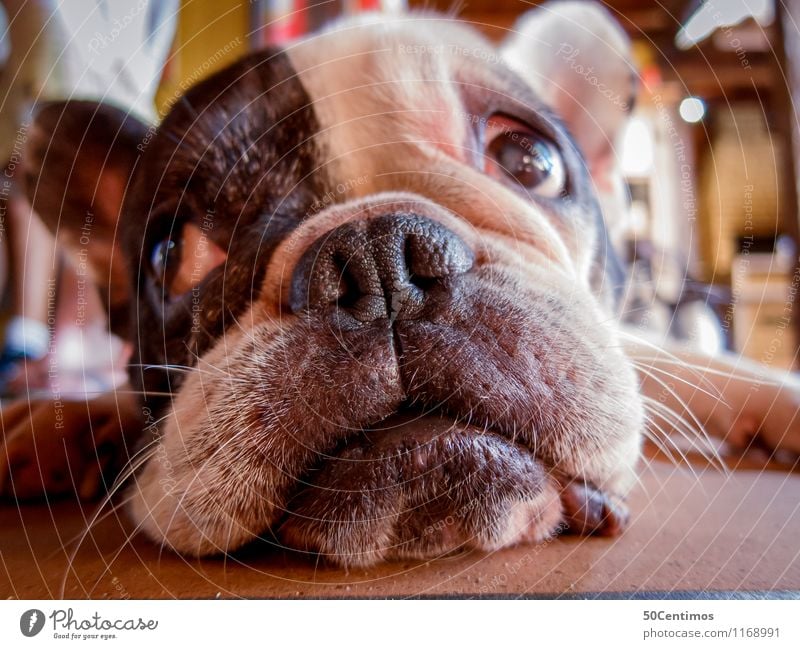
point(374, 341)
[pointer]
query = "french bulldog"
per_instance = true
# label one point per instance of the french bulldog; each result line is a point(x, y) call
point(372, 297)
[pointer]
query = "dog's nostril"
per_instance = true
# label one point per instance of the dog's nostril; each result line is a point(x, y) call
point(423, 272)
point(423, 283)
point(347, 292)
point(378, 268)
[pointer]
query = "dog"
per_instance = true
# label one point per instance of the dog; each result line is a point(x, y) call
point(372, 297)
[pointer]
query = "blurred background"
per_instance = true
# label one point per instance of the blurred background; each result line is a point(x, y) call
point(710, 156)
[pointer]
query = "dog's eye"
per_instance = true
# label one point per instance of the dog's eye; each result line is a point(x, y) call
point(164, 259)
point(182, 260)
point(515, 151)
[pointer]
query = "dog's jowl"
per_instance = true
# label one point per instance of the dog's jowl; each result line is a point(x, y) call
point(371, 298)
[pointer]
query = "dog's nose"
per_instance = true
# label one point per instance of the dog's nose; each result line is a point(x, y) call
point(382, 267)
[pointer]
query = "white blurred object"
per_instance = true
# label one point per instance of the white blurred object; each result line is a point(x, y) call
point(114, 51)
point(692, 109)
point(89, 359)
point(27, 336)
point(711, 16)
point(637, 149)
point(697, 324)
point(105, 50)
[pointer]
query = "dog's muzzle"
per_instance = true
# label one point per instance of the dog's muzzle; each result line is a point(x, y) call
point(422, 393)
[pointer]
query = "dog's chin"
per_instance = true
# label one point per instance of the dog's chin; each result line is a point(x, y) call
point(411, 486)
point(418, 486)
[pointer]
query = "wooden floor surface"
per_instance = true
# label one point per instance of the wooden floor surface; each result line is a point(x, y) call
point(706, 534)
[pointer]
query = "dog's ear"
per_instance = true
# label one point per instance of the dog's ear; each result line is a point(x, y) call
point(78, 162)
point(579, 60)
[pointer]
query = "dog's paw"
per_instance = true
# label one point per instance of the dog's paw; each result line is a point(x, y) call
point(588, 510)
point(58, 447)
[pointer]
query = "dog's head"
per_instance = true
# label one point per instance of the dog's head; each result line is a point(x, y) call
point(372, 290)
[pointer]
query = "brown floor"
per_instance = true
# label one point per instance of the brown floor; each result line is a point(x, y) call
point(715, 533)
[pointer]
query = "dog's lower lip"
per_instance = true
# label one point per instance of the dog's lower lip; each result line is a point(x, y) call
point(409, 472)
point(429, 421)
point(407, 428)
point(415, 444)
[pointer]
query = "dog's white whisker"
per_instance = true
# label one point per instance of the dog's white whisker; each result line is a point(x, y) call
point(706, 449)
point(676, 419)
point(661, 442)
point(661, 351)
point(698, 428)
point(703, 370)
point(134, 464)
point(674, 394)
point(650, 368)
